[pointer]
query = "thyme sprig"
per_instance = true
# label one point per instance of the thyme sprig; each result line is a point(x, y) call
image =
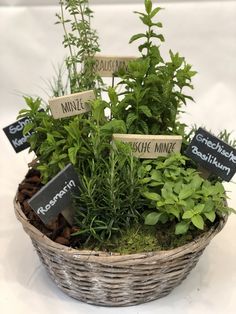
point(82, 43)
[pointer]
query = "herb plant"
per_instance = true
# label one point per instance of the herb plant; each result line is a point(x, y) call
point(179, 193)
point(82, 43)
point(119, 192)
point(110, 200)
point(154, 89)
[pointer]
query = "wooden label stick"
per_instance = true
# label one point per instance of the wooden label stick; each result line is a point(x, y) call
point(71, 105)
point(151, 146)
point(107, 66)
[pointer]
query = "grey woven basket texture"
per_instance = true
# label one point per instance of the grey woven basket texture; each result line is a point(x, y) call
point(116, 280)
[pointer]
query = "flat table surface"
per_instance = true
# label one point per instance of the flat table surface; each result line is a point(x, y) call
point(205, 33)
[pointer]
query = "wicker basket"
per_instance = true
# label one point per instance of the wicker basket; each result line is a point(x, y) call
point(111, 279)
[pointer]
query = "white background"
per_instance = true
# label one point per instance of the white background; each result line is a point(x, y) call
point(205, 33)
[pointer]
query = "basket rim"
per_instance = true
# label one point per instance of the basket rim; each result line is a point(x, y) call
point(36, 235)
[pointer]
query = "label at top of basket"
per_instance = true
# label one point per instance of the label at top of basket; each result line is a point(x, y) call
point(14, 132)
point(151, 146)
point(107, 66)
point(56, 195)
point(213, 154)
point(71, 105)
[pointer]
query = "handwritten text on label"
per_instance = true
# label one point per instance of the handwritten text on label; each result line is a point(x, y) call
point(213, 154)
point(14, 132)
point(56, 195)
point(71, 105)
point(151, 146)
point(107, 66)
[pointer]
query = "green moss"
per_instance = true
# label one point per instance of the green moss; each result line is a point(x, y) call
point(141, 238)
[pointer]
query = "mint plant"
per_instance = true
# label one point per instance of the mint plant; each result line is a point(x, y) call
point(153, 88)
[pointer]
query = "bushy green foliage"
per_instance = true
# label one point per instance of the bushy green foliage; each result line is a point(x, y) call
point(118, 191)
point(178, 193)
point(154, 88)
point(110, 199)
point(76, 140)
point(82, 43)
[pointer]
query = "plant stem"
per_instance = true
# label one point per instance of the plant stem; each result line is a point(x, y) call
point(68, 41)
point(84, 22)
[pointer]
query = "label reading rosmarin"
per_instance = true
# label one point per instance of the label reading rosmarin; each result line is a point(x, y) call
point(56, 195)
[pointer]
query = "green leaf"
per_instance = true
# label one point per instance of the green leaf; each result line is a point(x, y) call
point(186, 192)
point(189, 203)
point(198, 221)
point(112, 96)
point(130, 119)
point(136, 37)
point(145, 110)
point(148, 6)
point(209, 205)
point(181, 228)
point(145, 180)
point(23, 112)
point(219, 188)
point(143, 46)
point(188, 214)
point(174, 211)
point(157, 24)
point(148, 168)
point(159, 36)
point(114, 126)
point(152, 196)
point(144, 126)
point(156, 175)
point(51, 139)
point(152, 218)
point(146, 20)
point(27, 128)
point(164, 218)
point(199, 208)
point(72, 153)
point(154, 12)
point(155, 183)
point(177, 187)
point(196, 182)
point(210, 216)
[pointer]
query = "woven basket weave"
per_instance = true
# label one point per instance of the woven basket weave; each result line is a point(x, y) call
point(111, 279)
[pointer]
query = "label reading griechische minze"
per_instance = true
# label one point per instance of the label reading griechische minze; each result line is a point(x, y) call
point(151, 146)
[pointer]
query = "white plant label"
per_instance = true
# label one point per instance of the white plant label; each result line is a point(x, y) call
point(107, 66)
point(71, 105)
point(151, 146)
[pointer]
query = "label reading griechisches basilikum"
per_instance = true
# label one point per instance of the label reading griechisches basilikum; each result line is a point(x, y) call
point(56, 195)
point(213, 154)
